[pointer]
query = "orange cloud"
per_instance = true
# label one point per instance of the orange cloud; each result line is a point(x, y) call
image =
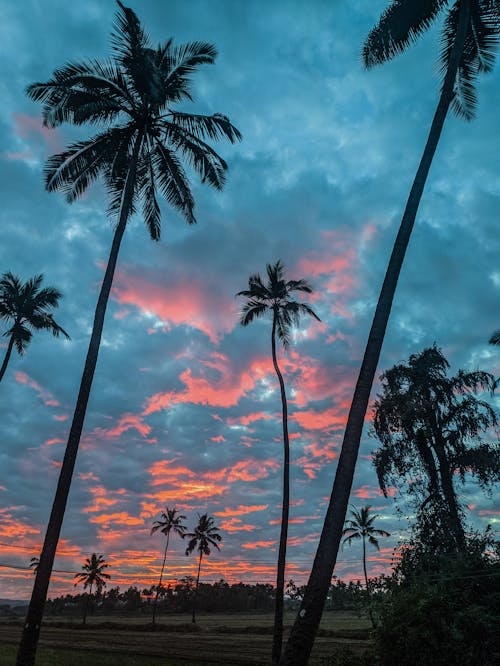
point(46, 396)
point(125, 422)
point(235, 525)
point(121, 518)
point(253, 545)
point(186, 302)
point(241, 510)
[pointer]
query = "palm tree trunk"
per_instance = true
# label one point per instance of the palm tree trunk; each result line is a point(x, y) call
point(450, 497)
point(280, 574)
point(31, 630)
point(86, 608)
point(193, 617)
point(304, 630)
point(7, 357)
point(161, 576)
point(364, 563)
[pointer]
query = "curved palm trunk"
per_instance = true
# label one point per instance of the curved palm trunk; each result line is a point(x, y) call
point(161, 576)
point(304, 630)
point(7, 357)
point(280, 574)
point(193, 617)
point(87, 604)
point(364, 563)
point(31, 630)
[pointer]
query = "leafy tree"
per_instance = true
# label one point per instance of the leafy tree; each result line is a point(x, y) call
point(27, 308)
point(92, 574)
point(469, 41)
point(138, 155)
point(428, 425)
point(205, 535)
point(495, 338)
point(275, 298)
point(360, 526)
point(169, 521)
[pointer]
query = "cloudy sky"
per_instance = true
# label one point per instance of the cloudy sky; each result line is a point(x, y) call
point(185, 407)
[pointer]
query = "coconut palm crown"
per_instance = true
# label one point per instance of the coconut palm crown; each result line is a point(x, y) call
point(26, 307)
point(203, 538)
point(360, 526)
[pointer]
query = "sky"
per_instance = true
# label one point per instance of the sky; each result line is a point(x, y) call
point(185, 407)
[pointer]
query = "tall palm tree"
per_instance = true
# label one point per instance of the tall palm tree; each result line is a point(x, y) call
point(360, 526)
point(205, 534)
point(274, 298)
point(138, 155)
point(92, 574)
point(170, 521)
point(27, 308)
point(469, 41)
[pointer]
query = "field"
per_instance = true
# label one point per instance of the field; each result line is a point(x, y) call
point(236, 639)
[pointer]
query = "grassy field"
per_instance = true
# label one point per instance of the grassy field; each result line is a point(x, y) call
point(218, 639)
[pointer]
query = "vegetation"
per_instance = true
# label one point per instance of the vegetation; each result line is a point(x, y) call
point(170, 521)
point(469, 40)
point(134, 94)
point(26, 307)
point(429, 426)
point(205, 535)
point(92, 574)
point(274, 298)
point(360, 526)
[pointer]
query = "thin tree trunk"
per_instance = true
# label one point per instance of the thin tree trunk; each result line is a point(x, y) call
point(364, 564)
point(280, 574)
point(7, 357)
point(193, 617)
point(86, 608)
point(450, 497)
point(304, 630)
point(31, 630)
point(161, 576)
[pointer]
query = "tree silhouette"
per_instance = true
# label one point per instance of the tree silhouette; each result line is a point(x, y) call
point(170, 521)
point(495, 338)
point(34, 562)
point(469, 41)
point(427, 424)
point(92, 574)
point(205, 535)
point(274, 298)
point(138, 155)
point(27, 308)
point(360, 526)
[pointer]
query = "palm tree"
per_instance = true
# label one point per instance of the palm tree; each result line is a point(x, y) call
point(137, 155)
point(360, 526)
point(469, 40)
point(92, 574)
point(274, 298)
point(169, 521)
point(205, 534)
point(34, 562)
point(27, 308)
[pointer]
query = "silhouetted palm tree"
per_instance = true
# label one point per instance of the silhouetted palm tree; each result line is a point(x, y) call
point(170, 521)
point(134, 93)
point(205, 534)
point(469, 40)
point(27, 308)
point(34, 562)
point(360, 526)
point(92, 574)
point(274, 298)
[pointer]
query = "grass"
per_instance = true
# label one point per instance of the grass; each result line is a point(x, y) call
point(218, 639)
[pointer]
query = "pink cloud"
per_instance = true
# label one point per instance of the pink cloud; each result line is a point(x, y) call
point(187, 303)
point(26, 126)
point(46, 396)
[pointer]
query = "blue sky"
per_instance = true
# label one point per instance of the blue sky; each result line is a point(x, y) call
point(185, 406)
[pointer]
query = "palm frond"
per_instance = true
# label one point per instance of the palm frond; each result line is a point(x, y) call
point(252, 310)
point(129, 38)
point(400, 25)
point(173, 182)
point(179, 62)
point(495, 338)
point(147, 192)
point(215, 127)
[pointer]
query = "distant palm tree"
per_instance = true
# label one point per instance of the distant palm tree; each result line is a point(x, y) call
point(360, 526)
point(169, 522)
point(26, 307)
point(205, 534)
point(34, 562)
point(469, 41)
point(137, 155)
point(92, 574)
point(274, 298)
